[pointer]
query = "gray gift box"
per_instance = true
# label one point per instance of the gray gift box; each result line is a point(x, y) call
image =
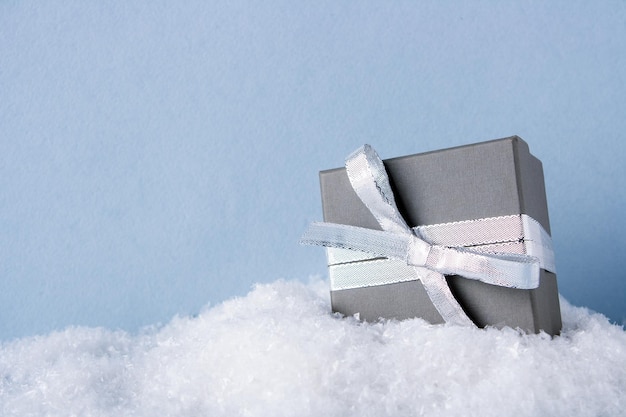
point(483, 180)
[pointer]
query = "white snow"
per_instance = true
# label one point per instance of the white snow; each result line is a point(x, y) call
point(279, 351)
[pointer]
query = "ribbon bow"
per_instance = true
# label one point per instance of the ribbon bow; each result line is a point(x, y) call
point(398, 241)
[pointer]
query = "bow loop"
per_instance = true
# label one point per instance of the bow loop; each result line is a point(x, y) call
point(369, 180)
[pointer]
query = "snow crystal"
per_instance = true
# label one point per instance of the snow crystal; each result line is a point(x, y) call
point(279, 351)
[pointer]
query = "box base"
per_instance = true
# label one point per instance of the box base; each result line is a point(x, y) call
point(487, 305)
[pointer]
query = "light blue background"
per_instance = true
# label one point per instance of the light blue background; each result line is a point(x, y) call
point(156, 156)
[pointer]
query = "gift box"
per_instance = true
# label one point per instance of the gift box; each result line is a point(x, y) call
point(486, 198)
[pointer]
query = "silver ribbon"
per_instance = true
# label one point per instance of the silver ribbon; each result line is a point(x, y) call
point(399, 253)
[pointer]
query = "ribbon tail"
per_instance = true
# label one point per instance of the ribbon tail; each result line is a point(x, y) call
point(439, 293)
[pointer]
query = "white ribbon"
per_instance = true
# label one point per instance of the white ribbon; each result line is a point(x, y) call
point(417, 248)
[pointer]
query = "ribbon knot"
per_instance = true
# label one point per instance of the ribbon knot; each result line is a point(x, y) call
point(398, 241)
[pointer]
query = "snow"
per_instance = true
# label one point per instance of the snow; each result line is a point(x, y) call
point(279, 351)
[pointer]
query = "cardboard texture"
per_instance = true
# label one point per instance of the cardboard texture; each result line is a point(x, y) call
point(488, 179)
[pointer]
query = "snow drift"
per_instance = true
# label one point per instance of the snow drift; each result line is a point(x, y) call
point(279, 351)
